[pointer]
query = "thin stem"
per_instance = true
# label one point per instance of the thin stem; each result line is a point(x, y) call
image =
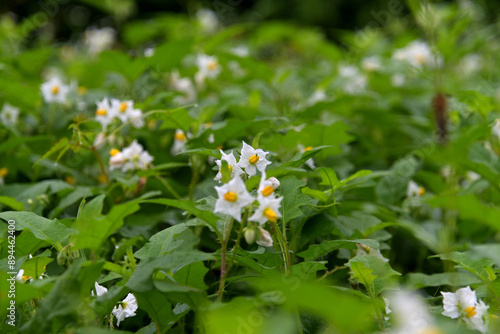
point(220, 292)
point(329, 272)
point(283, 247)
point(101, 165)
point(237, 244)
point(169, 187)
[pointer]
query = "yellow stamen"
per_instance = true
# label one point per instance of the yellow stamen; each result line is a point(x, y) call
point(3, 172)
point(82, 90)
point(432, 330)
point(267, 191)
point(101, 112)
point(208, 124)
point(212, 65)
point(308, 148)
point(421, 191)
point(254, 158)
point(70, 180)
point(180, 136)
point(123, 107)
point(470, 311)
point(420, 59)
point(219, 147)
point(271, 215)
point(26, 278)
point(55, 90)
point(230, 196)
point(114, 152)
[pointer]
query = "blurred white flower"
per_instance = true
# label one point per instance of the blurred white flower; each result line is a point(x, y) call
point(409, 314)
point(9, 115)
point(464, 303)
point(253, 159)
point(398, 79)
point(414, 190)
point(372, 63)
point(265, 239)
point(233, 166)
point(3, 173)
point(208, 66)
point(240, 51)
point(149, 52)
point(183, 85)
point(496, 128)
point(354, 81)
point(317, 96)
point(180, 140)
point(54, 91)
point(417, 54)
point(125, 309)
point(130, 158)
point(98, 40)
point(471, 64)
point(104, 113)
point(269, 209)
point(99, 290)
point(208, 20)
point(233, 196)
point(125, 111)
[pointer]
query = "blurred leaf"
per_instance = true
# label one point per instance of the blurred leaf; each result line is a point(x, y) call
point(327, 246)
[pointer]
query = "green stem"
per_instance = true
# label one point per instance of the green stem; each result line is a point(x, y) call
point(169, 187)
point(237, 244)
point(283, 247)
point(224, 242)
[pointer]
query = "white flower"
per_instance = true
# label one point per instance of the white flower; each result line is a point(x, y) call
point(99, 290)
point(98, 40)
point(371, 63)
point(233, 166)
point(208, 20)
point(413, 190)
point(131, 158)
point(398, 80)
point(496, 128)
point(208, 66)
point(240, 51)
point(233, 196)
point(267, 186)
point(265, 239)
point(180, 141)
point(183, 85)
point(463, 303)
point(354, 82)
point(124, 110)
point(149, 52)
point(252, 159)
point(317, 96)
point(104, 113)
point(269, 209)
point(100, 139)
point(417, 54)
point(125, 309)
point(409, 313)
point(9, 115)
point(471, 64)
point(54, 91)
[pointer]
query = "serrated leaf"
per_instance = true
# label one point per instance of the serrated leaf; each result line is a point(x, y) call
point(419, 280)
point(293, 198)
point(376, 267)
point(470, 262)
point(327, 246)
point(51, 231)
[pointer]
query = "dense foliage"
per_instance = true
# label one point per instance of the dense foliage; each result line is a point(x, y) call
point(179, 175)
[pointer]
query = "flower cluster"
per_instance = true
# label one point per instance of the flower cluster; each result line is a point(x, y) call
point(109, 109)
point(130, 158)
point(125, 309)
point(234, 196)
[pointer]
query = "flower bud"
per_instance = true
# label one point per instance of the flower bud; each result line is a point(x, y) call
point(275, 183)
point(249, 235)
point(265, 239)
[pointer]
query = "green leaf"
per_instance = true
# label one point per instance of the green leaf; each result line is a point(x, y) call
point(142, 278)
point(418, 280)
point(158, 307)
point(174, 119)
point(11, 202)
point(300, 158)
point(188, 206)
point(35, 266)
point(167, 241)
point(319, 195)
point(471, 262)
point(60, 145)
point(307, 270)
point(327, 246)
point(328, 177)
point(293, 198)
point(226, 173)
point(94, 228)
point(51, 231)
point(373, 272)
